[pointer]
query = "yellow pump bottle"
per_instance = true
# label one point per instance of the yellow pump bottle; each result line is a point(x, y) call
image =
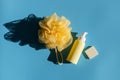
point(77, 49)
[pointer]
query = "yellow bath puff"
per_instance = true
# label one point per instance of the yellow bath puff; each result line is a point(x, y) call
point(55, 32)
point(77, 49)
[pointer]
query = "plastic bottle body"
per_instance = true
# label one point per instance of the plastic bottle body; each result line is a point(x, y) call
point(76, 51)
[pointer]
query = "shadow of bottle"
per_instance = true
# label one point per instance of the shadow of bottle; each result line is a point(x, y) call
point(65, 52)
point(24, 31)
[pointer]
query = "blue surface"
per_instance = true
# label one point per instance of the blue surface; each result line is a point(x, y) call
point(100, 18)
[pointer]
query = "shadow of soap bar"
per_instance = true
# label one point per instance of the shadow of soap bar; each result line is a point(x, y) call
point(91, 52)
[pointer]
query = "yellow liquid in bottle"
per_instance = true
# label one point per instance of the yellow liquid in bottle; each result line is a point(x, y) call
point(76, 51)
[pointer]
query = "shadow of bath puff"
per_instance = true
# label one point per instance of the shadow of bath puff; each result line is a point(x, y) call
point(24, 31)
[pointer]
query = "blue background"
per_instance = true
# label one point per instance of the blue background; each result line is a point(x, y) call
point(100, 18)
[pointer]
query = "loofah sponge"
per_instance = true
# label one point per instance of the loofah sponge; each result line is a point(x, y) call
point(55, 32)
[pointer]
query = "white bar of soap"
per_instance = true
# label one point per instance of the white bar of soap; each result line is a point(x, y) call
point(91, 52)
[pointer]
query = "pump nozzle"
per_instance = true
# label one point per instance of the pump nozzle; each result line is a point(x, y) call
point(82, 37)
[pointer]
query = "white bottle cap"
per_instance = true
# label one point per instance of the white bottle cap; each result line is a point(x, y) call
point(83, 36)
